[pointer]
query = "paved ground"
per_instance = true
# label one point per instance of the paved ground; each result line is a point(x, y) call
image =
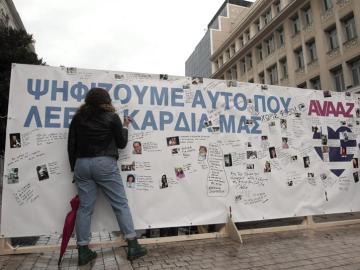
point(335, 248)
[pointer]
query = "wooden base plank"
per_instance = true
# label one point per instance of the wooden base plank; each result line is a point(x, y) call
point(229, 230)
point(7, 249)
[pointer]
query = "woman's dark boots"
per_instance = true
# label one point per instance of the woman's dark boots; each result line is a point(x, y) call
point(135, 250)
point(85, 255)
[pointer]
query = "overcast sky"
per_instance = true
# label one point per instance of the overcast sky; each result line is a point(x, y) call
point(122, 35)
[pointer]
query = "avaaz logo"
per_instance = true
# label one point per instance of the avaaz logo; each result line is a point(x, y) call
point(335, 148)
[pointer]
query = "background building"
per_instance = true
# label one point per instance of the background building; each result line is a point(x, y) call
point(9, 17)
point(199, 64)
point(301, 43)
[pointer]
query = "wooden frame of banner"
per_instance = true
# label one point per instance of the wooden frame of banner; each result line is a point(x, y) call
point(228, 230)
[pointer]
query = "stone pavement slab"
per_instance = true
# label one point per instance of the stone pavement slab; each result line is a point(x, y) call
point(336, 248)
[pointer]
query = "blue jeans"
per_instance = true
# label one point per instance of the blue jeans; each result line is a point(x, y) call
point(90, 173)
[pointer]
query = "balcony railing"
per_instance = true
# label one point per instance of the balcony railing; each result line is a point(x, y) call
point(351, 43)
point(300, 74)
point(342, 3)
point(281, 46)
point(300, 70)
point(327, 15)
point(309, 28)
point(295, 40)
point(284, 79)
point(333, 52)
point(313, 64)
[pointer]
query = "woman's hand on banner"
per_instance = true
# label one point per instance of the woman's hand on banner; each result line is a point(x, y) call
point(127, 121)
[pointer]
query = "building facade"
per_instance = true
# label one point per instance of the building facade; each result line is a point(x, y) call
point(9, 17)
point(301, 43)
point(199, 64)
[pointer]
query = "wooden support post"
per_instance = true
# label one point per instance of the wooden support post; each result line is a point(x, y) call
point(222, 229)
point(232, 231)
point(2, 243)
point(5, 246)
point(309, 222)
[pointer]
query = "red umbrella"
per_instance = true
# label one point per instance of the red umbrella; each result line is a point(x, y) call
point(69, 225)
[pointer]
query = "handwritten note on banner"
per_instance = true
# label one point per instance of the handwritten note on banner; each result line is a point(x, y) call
point(196, 148)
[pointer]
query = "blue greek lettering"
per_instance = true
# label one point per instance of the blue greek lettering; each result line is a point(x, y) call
point(106, 86)
point(256, 122)
point(140, 93)
point(38, 92)
point(68, 115)
point(177, 97)
point(227, 125)
point(243, 125)
point(285, 103)
point(237, 102)
point(277, 104)
point(33, 114)
point(213, 98)
point(132, 115)
point(202, 121)
point(149, 121)
point(64, 90)
point(165, 118)
point(227, 96)
point(193, 122)
point(198, 100)
point(51, 115)
point(156, 99)
point(126, 96)
point(78, 91)
point(182, 123)
point(256, 101)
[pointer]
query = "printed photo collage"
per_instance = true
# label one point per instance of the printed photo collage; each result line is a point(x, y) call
point(179, 152)
point(40, 171)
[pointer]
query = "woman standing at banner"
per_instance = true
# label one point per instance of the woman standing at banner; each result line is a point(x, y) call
point(95, 134)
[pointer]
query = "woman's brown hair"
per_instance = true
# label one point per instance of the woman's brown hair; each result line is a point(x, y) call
point(96, 100)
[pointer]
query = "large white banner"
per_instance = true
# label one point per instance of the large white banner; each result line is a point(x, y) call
point(197, 147)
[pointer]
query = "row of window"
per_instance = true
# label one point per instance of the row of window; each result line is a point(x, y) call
point(337, 77)
point(348, 23)
point(264, 49)
point(307, 15)
point(246, 36)
point(336, 74)
point(315, 83)
point(269, 43)
point(332, 38)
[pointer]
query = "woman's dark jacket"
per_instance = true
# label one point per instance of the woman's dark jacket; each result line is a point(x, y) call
point(101, 134)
